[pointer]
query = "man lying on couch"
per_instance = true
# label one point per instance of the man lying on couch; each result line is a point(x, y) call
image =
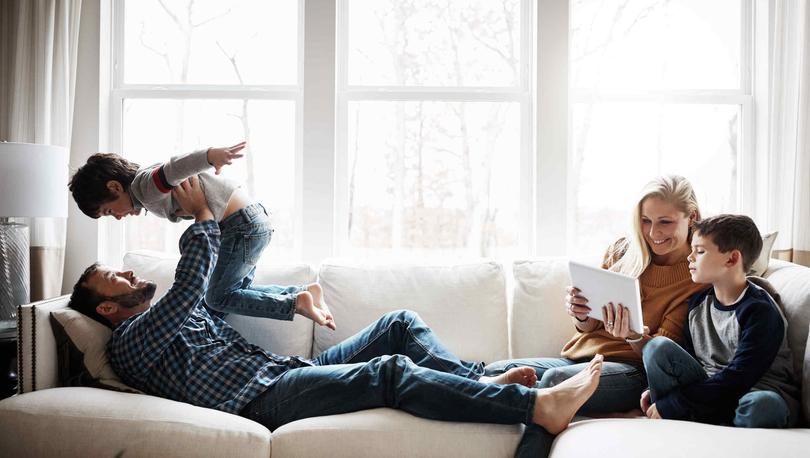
point(181, 350)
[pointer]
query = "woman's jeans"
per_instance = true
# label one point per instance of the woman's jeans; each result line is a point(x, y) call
point(669, 366)
point(395, 362)
point(619, 390)
point(245, 234)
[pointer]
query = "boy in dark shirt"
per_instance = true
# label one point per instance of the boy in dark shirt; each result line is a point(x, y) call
point(735, 367)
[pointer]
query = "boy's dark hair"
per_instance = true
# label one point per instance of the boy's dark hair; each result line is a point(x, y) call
point(89, 184)
point(85, 299)
point(733, 232)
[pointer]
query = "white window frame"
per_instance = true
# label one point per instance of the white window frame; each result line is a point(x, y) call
point(322, 95)
point(744, 98)
point(112, 244)
point(522, 94)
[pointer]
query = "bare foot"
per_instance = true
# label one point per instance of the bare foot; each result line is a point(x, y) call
point(310, 304)
point(555, 407)
point(525, 376)
point(316, 291)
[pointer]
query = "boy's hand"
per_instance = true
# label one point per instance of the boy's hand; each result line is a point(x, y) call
point(190, 196)
point(219, 157)
point(645, 401)
point(652, 413)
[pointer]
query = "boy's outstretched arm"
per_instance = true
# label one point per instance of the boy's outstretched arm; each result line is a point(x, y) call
point(219, 157)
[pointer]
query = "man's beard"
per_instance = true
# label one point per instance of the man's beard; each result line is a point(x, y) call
point(132, 300)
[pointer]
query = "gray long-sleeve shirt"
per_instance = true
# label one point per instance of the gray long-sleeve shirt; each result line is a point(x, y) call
point(152, 186)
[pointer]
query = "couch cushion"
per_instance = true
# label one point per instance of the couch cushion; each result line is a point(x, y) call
point(389, 432)
point(281, 337)
point(465, 303)
point(642, 438)
point(81, 422)
point(806, 384)
point(793, 283)
point(540, 326)
point(82, 351)
point(760, 265)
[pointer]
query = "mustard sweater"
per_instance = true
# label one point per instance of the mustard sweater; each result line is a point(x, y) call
point(665, 291)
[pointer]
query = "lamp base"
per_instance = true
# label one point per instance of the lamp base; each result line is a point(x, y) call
point(14, 269)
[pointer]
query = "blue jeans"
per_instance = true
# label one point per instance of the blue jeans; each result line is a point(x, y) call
point(620, 388)
point(245, 234)
point(395, 362)
point(670, 366)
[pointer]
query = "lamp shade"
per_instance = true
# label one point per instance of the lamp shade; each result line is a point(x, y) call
point(33, 180)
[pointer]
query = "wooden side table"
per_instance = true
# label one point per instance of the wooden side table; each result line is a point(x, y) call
point(8, 362)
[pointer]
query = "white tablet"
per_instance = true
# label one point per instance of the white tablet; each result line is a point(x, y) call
point(601, 286)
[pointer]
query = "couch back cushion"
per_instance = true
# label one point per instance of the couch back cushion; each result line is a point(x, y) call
point(540, 326)
point(465, 304)
point(792, 281)
point(281, 337)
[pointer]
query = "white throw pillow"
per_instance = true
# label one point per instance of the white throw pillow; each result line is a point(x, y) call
point(90, 339)
point(759, 266)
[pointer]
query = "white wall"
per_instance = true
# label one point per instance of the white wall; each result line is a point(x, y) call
point(82, 248)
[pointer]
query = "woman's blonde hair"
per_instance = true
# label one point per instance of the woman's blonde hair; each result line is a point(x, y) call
point(632, 255)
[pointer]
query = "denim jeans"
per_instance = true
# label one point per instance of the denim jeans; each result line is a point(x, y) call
point(395, 362)
point(670, 366)
point(245, 234)
point(619, 390)
point(620, 385)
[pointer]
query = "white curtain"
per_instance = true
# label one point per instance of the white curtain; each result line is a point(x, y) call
point(38, 55)
point(789, 130)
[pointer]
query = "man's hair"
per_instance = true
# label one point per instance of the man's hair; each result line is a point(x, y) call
point(89, 184)
point(733, 232)
point(85, 299)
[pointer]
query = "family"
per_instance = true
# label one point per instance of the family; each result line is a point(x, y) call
point(713, 349)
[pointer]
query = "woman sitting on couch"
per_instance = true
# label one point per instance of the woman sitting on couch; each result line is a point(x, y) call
point(656, 254)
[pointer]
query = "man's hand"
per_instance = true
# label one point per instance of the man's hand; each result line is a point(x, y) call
point(219, 157)
point(190, 196)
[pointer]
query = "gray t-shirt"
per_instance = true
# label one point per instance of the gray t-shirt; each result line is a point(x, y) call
point(152, 186)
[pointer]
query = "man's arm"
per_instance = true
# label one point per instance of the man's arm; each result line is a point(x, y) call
point(145, 338)
point(760, 339)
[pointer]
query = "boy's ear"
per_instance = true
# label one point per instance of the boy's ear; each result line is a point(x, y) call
point(734, 258)
point(115, 187)
point(107, 308)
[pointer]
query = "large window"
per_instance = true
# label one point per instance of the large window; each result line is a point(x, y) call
point(429, 129)
point(433, 109)
point(659, 87)
point(193, 74)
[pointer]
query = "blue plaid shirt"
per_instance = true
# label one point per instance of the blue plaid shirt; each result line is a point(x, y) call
point(181, 350)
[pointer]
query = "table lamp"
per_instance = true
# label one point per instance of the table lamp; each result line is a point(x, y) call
point(33, 183)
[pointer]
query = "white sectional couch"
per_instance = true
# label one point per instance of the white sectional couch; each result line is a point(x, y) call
point(482, 310)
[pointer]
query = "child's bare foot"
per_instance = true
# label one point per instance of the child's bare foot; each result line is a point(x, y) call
point(555, 407)
point(525, 376)
point(310, 304)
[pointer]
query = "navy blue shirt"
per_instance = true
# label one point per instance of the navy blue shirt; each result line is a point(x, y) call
point(740, 346)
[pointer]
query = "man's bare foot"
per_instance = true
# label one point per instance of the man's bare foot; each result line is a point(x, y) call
point(555, 407)
point(525, 376)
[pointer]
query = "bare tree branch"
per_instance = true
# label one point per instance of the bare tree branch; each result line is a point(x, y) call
point(163, 55)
